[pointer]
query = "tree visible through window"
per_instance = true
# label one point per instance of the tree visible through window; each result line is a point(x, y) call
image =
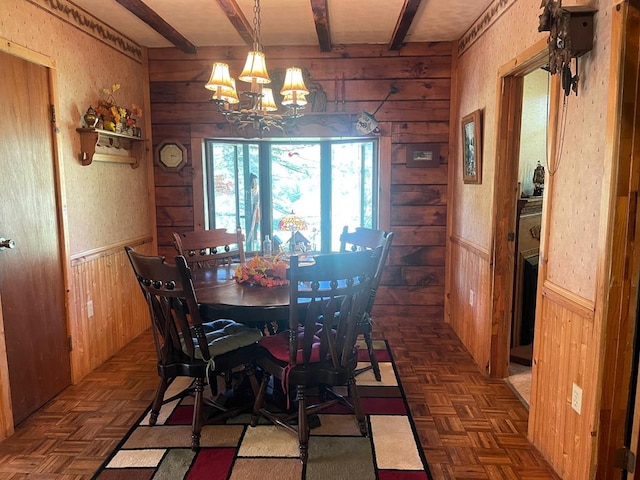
point(324, 184)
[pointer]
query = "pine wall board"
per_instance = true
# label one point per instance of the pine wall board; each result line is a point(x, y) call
point(418, 113)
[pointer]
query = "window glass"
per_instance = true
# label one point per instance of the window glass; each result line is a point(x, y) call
point(295, 186)
point(232, 190)
point(324, 184)
point(352, 185)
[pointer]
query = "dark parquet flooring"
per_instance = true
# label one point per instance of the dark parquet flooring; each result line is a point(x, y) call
point(470, 427)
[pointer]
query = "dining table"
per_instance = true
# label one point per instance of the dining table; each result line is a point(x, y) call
point(221, 296)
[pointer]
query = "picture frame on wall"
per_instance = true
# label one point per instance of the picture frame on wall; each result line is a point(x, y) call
point(472, 148)
point(423, 155)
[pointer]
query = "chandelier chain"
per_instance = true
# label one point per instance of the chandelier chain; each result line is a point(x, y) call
point(256, 27)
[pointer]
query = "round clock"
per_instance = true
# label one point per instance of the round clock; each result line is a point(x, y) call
point(171, 155)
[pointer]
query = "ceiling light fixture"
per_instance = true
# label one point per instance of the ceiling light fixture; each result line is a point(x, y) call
point(260, 113)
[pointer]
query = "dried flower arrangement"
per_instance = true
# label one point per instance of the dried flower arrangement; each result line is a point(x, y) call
point(114, 117)
point(260, 271)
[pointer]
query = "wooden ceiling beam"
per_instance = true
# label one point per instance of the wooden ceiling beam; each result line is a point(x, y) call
point(405, 19)
point(151, 18)
point(238, 20)
point(321, 19)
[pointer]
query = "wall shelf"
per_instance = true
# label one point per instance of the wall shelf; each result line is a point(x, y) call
point(105, 146)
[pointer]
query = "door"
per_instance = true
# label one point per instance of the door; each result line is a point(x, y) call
point(31, 278)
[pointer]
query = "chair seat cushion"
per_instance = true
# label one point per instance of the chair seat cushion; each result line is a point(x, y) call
point(278, 347)
point(226, 335)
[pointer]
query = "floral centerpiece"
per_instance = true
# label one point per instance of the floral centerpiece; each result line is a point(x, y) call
point(262, 271)
point(115, 117)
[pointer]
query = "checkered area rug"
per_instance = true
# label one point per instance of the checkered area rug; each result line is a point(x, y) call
point(234, 450)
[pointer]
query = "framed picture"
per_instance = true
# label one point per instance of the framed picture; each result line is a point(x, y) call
point(472, 148)
point(423, 155)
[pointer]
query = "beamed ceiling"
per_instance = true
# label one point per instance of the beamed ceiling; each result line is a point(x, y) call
point(189, 24)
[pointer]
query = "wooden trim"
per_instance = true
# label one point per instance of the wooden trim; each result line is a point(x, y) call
point(452, 167)
point(6, 411)
point(533, 57)
point(147, 153)
point(569, 300)
point(16, 50)
point(89, 255)
point(617, 267)
point(509, 97)
point(197, 158)
point(384, 182)
point(508, 108)
point(477, 250)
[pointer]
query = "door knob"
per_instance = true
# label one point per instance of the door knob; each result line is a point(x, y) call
point(6, 243)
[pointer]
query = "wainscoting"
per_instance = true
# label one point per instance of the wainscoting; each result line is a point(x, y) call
point(566, 351)
point(469, 299)
point(104, 277)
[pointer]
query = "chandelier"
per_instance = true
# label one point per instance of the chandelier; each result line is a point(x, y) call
point(260, 112)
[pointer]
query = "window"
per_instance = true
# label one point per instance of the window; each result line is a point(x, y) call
point(327, 184)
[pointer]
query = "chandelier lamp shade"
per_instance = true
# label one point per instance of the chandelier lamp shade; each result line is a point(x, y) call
point(261, 113)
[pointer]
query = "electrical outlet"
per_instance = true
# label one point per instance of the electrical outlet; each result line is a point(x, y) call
point(472, 296)
point(576, 398)
point(90, 308)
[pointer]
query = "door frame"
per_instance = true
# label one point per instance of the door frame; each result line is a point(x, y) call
point(509, 97)
point(11, 48)
point(618, 420)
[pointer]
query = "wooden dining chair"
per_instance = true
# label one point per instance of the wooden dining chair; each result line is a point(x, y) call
point(363, 239)
point(209, 248)
point(326, 300)
point(185, 345)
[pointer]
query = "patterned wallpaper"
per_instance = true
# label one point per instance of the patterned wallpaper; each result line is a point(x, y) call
point(106, 202)
point(576, 201)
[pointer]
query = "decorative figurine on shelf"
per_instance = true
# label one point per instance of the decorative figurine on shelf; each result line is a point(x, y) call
point(538, 180)
point(90, 118)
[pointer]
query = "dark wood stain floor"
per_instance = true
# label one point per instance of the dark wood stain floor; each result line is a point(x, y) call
point(470, 427)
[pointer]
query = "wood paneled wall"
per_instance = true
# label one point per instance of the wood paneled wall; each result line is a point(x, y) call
point(415, 198)
point(120, 313)
point(473, 264)
point(565, 353)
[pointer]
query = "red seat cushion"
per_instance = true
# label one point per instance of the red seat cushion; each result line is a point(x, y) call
point(278, 346)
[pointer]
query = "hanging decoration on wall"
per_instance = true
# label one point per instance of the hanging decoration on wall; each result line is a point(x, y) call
point(570, 36)
point(367, 123)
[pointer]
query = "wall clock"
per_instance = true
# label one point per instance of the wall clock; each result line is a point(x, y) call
point(171, 155)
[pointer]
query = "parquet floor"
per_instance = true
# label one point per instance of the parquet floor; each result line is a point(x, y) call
point(470, 427)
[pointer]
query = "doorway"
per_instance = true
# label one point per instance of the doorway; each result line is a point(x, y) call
point(532, 166)
point(509, 187)
point(31, 274)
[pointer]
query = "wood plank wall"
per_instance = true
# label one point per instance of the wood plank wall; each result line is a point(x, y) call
point(467, 316)
point(120, 314)
point(565, 353)
point(418, 113)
